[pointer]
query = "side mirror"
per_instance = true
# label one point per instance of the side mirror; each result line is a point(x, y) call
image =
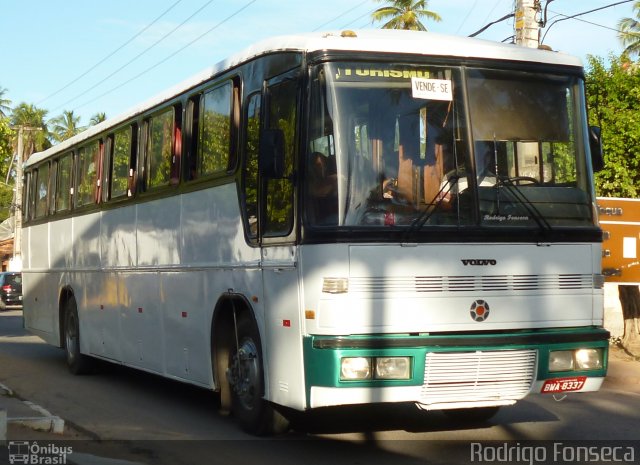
point(595, 144)
point(272, 153)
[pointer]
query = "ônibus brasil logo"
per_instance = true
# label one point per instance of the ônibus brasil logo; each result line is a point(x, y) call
point(479, 310)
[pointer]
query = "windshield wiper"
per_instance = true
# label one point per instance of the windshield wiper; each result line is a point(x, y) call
point(542, 222)
point(424, 216)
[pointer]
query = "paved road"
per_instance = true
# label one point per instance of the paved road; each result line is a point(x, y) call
point(151, 420)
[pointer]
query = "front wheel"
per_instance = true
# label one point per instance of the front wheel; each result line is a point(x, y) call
point(246, 378)
point(77, 362)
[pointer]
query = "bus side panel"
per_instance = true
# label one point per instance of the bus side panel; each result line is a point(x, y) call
point(86, 241)
point(211, 232)
point(158, 232)
point(118, 237)
point(40, 304)
point(61, 235)
point(186, 320)
point(141, 322)
point(40, 300)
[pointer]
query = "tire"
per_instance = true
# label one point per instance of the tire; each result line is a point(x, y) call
point(77, 362)
point(245, 374)
point(472, 415)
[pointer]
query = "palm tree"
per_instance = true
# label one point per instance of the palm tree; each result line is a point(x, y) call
point(629, 33)
point(404, 14)
point(37, 138)
point(65, 126)
point(5, 104)
point(97, 118)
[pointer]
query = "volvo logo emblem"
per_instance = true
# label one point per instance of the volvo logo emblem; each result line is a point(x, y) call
point(479, 261)
point(479, 310)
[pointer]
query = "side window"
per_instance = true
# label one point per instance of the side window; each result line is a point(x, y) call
point(63, 191)
point(250, 168)
point(29, 197)
point(87, 174)
point(159, 154)
point(282, 116)
point(53, 187)
point(214, 135)
point(42, 190)
point(121, 163)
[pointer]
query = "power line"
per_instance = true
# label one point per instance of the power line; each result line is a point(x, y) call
point(237, 12)
point(368, 13)
point(467, 17)
point(86, 91)
point(341, 15)
point(66, 86)
point(583, 13)
point(487, 26)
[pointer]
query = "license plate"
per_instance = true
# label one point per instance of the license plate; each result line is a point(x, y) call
point(563, 384)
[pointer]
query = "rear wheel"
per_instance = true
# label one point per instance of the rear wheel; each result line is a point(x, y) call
point(78, 363)
point(246, 378)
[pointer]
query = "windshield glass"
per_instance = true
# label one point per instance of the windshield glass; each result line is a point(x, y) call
point(393, 146)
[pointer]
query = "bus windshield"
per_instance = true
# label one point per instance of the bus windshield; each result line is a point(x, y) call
point(418, 147)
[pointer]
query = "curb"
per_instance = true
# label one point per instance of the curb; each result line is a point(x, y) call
point(46, 422)
point(43, 421)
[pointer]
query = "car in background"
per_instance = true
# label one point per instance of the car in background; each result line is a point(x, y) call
point(10, 290)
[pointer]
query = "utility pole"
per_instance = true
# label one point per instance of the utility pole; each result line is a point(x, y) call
point(16, 262)
point(526, 26)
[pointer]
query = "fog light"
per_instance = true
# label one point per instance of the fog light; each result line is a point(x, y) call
point(561, 360)
point(355, 368)
point(393, 368)
point(589, 359)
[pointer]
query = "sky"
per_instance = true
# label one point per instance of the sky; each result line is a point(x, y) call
point(109, 56)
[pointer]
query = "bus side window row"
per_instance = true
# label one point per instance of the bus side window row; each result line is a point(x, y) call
point(144, 155)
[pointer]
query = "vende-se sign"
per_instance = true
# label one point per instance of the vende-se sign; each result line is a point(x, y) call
point(431, 89)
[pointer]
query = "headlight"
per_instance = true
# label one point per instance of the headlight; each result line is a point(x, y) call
point(589, 359)
point(561, 360)
point(579, 359)
point(355, 368)
point(393, 368)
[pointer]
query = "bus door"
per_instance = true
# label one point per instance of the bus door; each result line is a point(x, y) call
point(277, 234)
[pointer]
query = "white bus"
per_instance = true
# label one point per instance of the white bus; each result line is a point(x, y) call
point(333, 219)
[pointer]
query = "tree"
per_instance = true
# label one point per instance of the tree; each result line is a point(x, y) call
point(613, 96)
point(629, 33)
point(30, 116)
point(404, 14)
point(97, 118)
point(6, 155)
point(66, 126)
point(5, 104)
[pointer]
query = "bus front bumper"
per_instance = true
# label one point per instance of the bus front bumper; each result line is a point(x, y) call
point(454, 371)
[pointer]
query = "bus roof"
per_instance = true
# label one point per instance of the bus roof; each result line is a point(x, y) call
point(369, 40)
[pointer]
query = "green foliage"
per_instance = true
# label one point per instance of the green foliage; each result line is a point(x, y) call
point(404, 14)
point(6, 201)
point(6, 147)
point(160, 149)
point(36, 138)
point(66, 126)
point(215, 131)
point(629, 33)
point(120, 171)
point(613, 95)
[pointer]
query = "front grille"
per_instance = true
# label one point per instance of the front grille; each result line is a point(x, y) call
point(478, 376)
point(515, 283)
